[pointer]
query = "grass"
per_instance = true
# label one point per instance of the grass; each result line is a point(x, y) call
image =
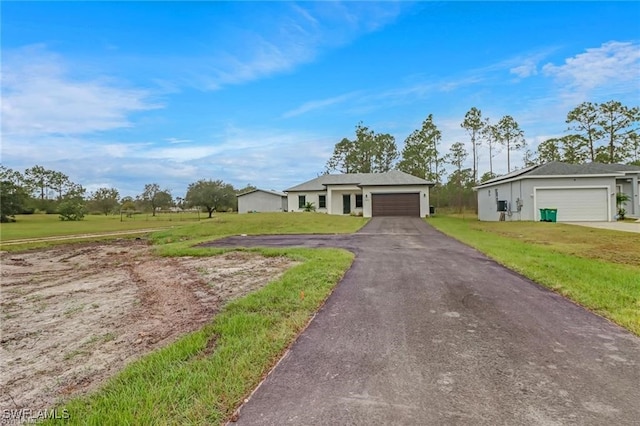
point(50, 226)
point(257, 224)
point(180, 227)
point(599, 269)
point(203, 377)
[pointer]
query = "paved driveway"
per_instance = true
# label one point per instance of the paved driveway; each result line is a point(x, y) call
point(425, 330)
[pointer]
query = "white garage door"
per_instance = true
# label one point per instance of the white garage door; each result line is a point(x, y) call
point(575, 204)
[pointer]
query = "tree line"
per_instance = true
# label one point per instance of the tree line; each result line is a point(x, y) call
point(606, 133)
point(48, 191)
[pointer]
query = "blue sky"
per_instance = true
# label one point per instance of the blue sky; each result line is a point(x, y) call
point(121, 94)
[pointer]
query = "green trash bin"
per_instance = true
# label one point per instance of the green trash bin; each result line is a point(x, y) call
point(552, 215)
point(543, 215)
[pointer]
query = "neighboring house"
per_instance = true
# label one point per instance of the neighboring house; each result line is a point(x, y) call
point(393, 193)
point(580, 192)
point(262, 200)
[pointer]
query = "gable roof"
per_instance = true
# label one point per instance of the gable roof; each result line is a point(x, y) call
point(272, 191)
point(557, 168)
point(392, 177)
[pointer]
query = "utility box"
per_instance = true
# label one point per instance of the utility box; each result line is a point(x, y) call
point(503, 205)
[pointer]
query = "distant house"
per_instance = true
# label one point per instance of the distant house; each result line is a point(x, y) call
point(262, 200)
point(580, 192)
point(393, 193)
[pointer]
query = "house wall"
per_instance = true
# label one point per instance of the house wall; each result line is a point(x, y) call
point(422, 189)
point(310, 197)
point(261, 202)
point(631, 187)
point(523, 192)
point(336, 203)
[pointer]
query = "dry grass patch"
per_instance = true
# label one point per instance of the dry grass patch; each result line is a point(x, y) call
point(598, 244)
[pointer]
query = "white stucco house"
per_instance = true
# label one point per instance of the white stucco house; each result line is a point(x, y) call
point(262, 200)
point(393, 193)
point(580, 192)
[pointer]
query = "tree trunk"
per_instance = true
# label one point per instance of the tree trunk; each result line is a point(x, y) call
point(508, 157)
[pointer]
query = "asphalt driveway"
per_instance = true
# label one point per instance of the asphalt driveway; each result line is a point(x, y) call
point(425, 330)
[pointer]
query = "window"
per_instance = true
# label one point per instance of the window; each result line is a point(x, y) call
point(358, 200)
point(322, 201)
point(302, 200)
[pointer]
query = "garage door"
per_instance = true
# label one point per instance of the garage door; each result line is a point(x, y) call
point(575, 204)
point(395, 204)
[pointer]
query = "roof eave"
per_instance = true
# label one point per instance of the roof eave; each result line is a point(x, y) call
point(527, 176)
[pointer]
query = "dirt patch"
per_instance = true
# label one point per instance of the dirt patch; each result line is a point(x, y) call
point(73, 316)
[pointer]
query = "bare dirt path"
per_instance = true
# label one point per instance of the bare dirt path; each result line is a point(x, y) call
point(80, 236)
point(74, 315)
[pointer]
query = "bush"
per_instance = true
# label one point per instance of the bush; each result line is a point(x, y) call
point(72, 209)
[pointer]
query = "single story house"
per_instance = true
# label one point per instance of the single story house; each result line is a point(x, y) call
point(393, 193)
point(580, 192)
point(262, 200)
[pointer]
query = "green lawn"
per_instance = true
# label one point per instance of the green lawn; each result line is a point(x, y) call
point(203, 377)
point(260, 223)
point(180, 226)
point(50, 225)
point(596, 268)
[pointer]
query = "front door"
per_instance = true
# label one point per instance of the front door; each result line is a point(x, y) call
point(346, 203)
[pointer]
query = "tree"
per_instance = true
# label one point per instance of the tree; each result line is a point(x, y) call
point(246, 189)
point(487, 176)
point(458, 179)
point(510, 135)
point(573, 149)
point(72, 207)
point(210, 195)
point(420, 152)
point(37, 179)
point(105, 200)
point(10, 175)
point(385, 153)
point(12, 199)
point(549, 151)
point(634, 148)
point(473, 124)
point(616, 121)
point(584, 119)
point(155, 198)
point(59, 182)
point(490, 136)
point(529, 158)
point(368, 153)
point(342, 159)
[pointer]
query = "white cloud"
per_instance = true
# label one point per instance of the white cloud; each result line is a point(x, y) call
point(297, 35)
point(319, 104)
point(174, 141)
point(40, 98)
point(525, 70)
point(613, 65)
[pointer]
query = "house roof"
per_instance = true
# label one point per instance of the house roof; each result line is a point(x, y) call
point(392, 177)
point(268, 191)
point(556, 168)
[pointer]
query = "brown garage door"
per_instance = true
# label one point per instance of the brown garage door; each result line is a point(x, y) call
point(395, 204)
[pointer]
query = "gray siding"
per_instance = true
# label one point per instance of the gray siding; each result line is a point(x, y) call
point(523, 192)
